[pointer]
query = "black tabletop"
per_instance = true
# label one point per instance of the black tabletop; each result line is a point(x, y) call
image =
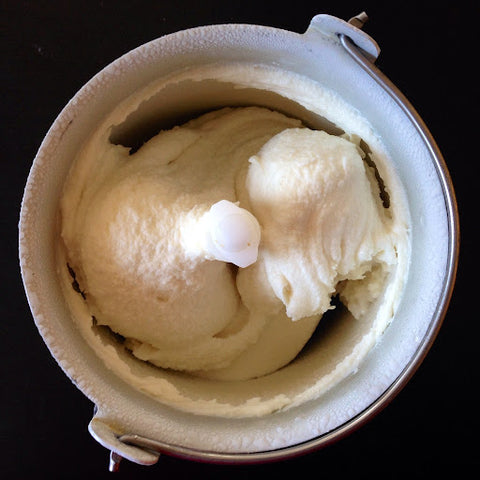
point(49, 49)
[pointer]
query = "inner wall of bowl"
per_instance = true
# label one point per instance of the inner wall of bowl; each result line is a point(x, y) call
point(338, 333)
point(322, 61)
point(180, 102)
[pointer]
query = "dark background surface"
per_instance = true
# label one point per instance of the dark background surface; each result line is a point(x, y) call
point(49, 49)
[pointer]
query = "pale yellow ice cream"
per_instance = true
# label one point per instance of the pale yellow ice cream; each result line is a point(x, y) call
point(134, 229)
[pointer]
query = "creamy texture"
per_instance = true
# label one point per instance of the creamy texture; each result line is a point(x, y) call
point(322, 219)
point(133, 227)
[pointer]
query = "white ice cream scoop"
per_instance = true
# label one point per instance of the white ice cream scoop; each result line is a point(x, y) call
point(232, 234)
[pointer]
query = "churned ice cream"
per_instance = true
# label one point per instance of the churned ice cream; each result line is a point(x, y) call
point(217, 247)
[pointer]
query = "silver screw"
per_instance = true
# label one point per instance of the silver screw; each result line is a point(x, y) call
point(115, 460)
point(359, 20)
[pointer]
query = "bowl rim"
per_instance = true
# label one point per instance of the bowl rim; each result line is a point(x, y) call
point(422, 349)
